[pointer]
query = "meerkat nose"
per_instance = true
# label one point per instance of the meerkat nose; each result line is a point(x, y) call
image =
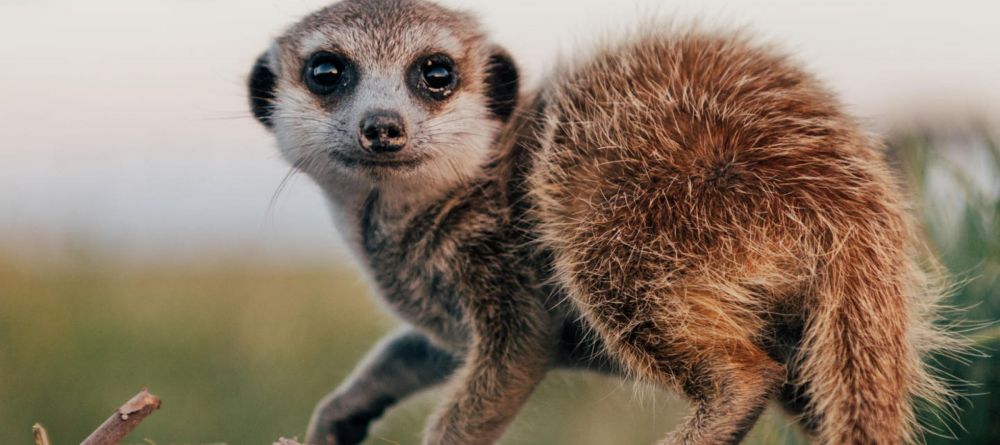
point(382, 132)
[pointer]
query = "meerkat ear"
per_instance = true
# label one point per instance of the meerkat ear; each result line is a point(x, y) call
point(261, 86)
point(502, 83)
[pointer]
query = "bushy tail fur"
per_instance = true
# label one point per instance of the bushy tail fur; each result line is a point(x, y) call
point(865, 366)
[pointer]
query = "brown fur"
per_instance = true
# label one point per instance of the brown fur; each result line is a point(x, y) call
point(684, 208)
point(692, 186)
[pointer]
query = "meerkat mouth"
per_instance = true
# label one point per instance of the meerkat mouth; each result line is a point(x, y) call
point(381, 162)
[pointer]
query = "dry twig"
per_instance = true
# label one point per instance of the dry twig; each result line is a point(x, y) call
point(41, 435)
point(124, 420)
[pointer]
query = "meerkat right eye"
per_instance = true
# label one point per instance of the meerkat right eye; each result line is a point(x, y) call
point(326, 73)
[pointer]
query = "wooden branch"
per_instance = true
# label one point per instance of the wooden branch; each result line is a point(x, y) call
point(41, 435)
point(124, 420)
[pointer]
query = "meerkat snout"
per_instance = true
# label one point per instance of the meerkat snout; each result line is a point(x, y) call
point(382, 131)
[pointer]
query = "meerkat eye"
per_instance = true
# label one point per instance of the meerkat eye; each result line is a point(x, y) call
point(325, 73)
point(437, 76)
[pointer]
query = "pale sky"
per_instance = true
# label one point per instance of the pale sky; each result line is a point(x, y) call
point(123, 123)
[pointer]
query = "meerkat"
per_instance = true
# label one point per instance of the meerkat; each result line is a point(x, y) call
point(683, 208)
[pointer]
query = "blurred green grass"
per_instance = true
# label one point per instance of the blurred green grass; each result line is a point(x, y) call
point(956, 176)
point(241, 350)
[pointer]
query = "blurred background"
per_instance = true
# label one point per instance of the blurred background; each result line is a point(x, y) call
point(146, 239)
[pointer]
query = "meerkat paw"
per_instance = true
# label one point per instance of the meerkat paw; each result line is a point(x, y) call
point(337, 422)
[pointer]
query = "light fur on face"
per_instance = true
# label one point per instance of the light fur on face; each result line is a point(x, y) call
point(448, 143)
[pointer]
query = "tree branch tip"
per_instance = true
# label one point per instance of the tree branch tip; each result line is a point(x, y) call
point(41, 434)
point(124, 420)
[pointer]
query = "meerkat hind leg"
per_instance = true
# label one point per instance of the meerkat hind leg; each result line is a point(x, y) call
point(729, 395)
point(710, 357)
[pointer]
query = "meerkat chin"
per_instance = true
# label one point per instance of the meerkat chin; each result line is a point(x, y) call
point(680, 207)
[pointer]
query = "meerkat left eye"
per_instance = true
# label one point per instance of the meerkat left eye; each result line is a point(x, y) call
point(437, 77)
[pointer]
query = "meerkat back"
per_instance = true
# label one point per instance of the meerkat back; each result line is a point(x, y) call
point(728, 231)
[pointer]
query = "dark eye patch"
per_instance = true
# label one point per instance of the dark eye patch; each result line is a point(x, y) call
point(434, 78)
point(438, 75)
point(327, 73)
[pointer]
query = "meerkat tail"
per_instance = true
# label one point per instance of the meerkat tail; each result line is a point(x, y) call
point(865, 375)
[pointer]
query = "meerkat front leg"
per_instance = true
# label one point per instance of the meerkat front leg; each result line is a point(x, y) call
point(509, 357)
point(404, 363)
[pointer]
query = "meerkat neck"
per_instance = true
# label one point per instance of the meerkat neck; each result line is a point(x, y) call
point(347, 197)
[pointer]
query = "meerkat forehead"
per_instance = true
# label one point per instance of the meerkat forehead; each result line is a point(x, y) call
point(383, 33)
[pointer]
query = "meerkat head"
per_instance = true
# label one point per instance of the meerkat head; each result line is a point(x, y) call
point(392, 93)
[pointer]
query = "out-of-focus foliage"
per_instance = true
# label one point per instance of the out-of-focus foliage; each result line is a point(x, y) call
point(240, 351)
point(957, 177)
